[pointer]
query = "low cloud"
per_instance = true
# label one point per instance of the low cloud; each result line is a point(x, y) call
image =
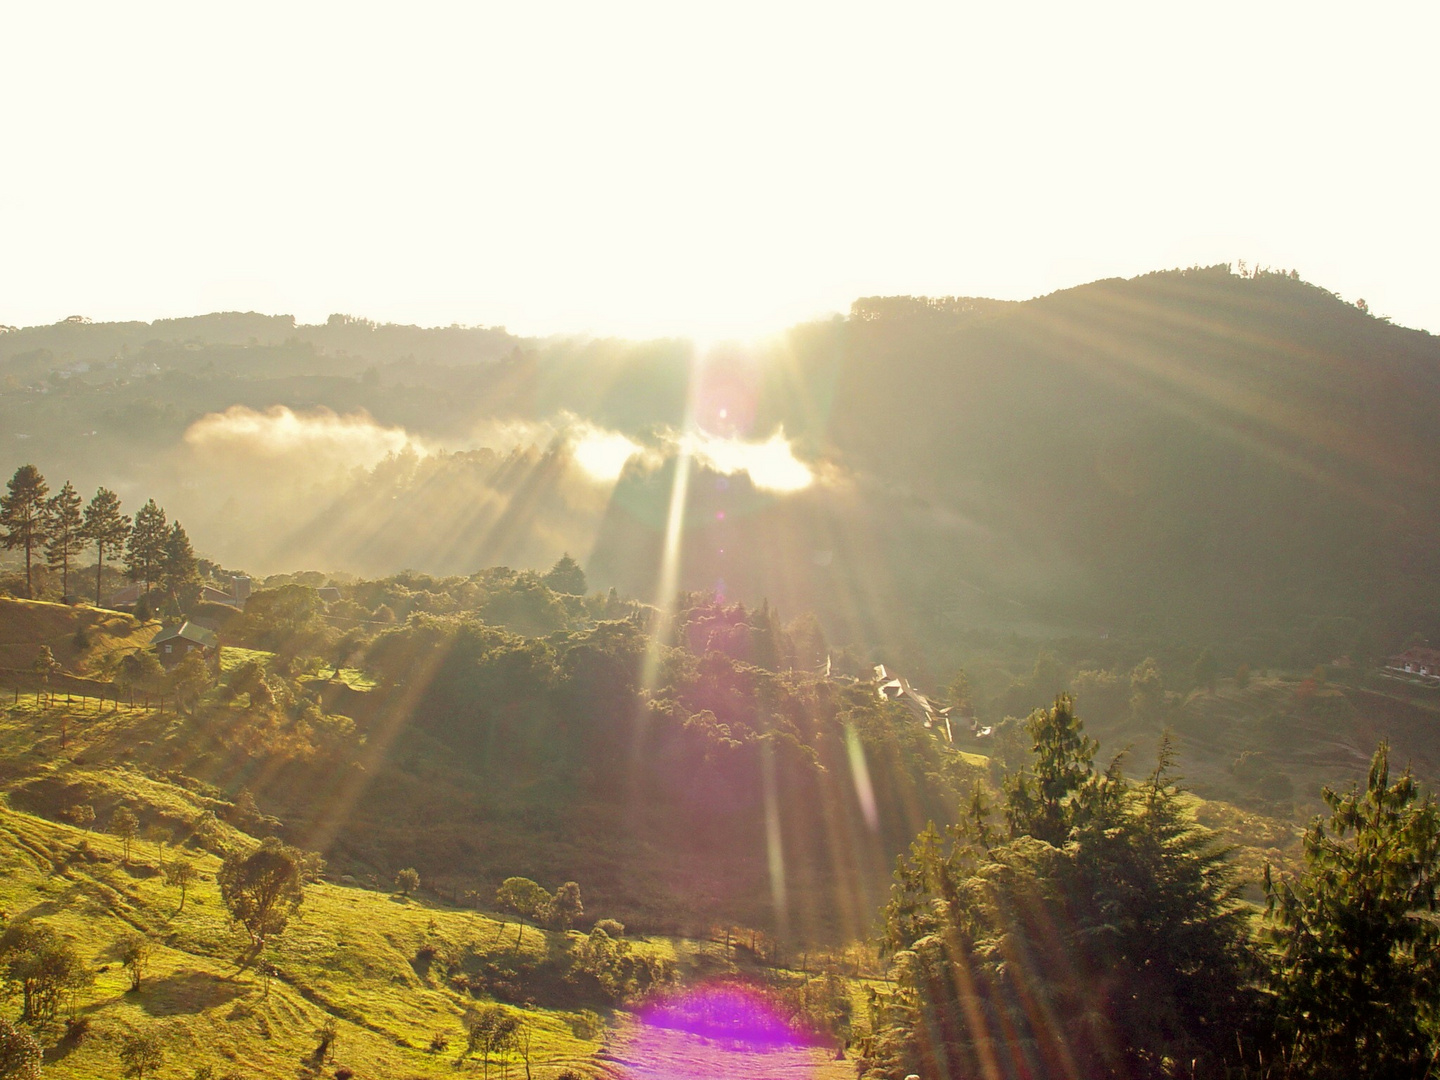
point(771, 464)
point(318, 438)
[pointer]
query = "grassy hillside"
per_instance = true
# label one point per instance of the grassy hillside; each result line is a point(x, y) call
point(353, 957)
point(393, 975)
point(25, 625)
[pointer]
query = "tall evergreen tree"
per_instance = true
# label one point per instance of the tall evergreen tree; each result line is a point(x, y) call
point(1102, 939)
point(106, 528)
point(65, 532)
point(22, 516)
point(145, 555)
point(1358, 965)
point(565, 576)
point(179, 567)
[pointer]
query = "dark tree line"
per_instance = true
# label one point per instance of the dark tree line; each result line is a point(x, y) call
point(156, 551)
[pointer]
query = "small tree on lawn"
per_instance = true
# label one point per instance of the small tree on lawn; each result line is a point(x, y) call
point(134, 951)
point(566, 907)
point(407, 881)
point(45, 666)
point(125, 825)
point(35, 960)
point(82, 815)
point(140, 1054)
point(188, 680)
point(489, 1030)
point(179, 873)
point(524, 898)
point(262, 888)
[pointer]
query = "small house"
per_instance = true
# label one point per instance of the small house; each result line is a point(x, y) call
point(175, 644)
point(1417, 661)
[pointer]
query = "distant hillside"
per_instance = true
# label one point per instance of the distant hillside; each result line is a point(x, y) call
point(1194, 454)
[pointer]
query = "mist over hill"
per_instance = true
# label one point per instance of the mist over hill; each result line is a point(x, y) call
point(1194, 453)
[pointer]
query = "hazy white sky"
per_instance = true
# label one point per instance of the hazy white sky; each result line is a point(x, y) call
point(701, 168)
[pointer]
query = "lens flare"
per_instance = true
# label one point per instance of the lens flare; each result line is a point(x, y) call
point(717, 1030)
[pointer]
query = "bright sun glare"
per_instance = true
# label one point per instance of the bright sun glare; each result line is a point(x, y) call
point(603, 454)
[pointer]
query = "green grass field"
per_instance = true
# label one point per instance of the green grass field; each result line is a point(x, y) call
point(350, 955)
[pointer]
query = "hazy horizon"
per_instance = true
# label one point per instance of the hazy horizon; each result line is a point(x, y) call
point(640, 171)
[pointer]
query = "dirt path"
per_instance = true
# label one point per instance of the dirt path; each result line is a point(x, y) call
point(642, 1052)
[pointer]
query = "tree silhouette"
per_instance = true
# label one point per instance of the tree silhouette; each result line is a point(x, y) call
point(125, 825)
point(23, 516)
point(64, 529)
point(45, 666)
point(565, 576)
point(262, 887)
point(179, 567)
point(106, 528)
point(179, 874)
point(145, 555)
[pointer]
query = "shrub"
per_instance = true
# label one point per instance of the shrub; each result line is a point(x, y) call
point(20, 1054)
point(614, 928)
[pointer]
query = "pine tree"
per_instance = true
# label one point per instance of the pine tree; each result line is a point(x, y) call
point(1358, 968)
point(23, 517)
point(65, 532)
point(1104, 938)
point(179, 566)
point(106, 528)
point(145, 555)
point(565, 576)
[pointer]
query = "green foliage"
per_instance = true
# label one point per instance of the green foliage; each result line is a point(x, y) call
point(1039, 803)
point(263, 888)
point(125, 825)
point(23, 517)
point(1104, 932)
point(179, 568)
point(138, 669)
point(188, 680)
point(1357, 936)
point(106, 528)
point(64, 528)
point(134, 951)
point(20, 1054)
point(565, 907)
point(42, 966)
point(1147, 690)
point(522, 897)
point(565, 577)
point(490, 1030)
point(180, 874)
point(140, 1053)
point(145, 551)
point(288, 618)
point(45, 664)
point(407, 881)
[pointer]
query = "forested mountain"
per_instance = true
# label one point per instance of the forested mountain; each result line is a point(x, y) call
point(1195, 453)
